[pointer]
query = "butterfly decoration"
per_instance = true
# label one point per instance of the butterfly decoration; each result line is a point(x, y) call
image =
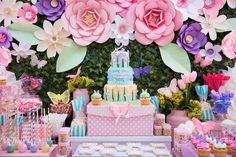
point(59, 98)
point(77, 74)
point(36, 62)
point(167, 91)
point(138, 72)
point(31, 83)
point(203, 128)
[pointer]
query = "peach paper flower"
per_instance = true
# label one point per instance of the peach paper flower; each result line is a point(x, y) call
point(121, 6)
point(53, 38)
point(154, 21)
point(28, 13)
point(88, 20)
point(228, 45)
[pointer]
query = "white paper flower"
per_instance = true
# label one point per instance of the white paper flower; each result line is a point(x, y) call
point(33, 1)
point(8, 11)
point(231, 3)
point(230, 85)
point(53, 38)
point(22, 50)
point(212, 22)
point(121, 31)
point(211, 52)
point(188, 8)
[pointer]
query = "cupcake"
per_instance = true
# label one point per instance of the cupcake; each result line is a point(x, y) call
point(212, 141)
point(203, 150)
point(220, 149)
point(3, 80)
point(96, 98)
point(233, 149)
point(145, 98)
point(228, 142)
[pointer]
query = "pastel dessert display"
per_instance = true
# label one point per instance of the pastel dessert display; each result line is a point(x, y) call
point(96, 98)
point(233, 149)
point(145, 98)
point(220, 149)
point(203, 150)
point(120, 113)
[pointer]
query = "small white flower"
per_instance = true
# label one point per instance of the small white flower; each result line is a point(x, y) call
point(121, 31)
point(34, 1)
point(212, 22)
point(22, 51)
point(8, 11)
point(211, 52)
point(188, 8)
point(231, 3)
point(53, 38)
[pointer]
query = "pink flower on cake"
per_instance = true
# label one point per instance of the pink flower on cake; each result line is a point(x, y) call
point(53, 38)
point(121, 31)
point(212, 6)
point(154, 21)
point(5, 57)
point(88, 20)
point(189, 8)
point(228, 45)
point(28, 13)
point(212, 22)
point(121, 6)
point(8, 11)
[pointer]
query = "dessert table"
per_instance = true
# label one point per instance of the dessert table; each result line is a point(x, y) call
point(51, 153)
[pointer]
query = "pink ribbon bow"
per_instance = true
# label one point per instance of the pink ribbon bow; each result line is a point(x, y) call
point(120, 111)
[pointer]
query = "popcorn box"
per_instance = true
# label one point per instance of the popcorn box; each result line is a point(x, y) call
point(101, 120)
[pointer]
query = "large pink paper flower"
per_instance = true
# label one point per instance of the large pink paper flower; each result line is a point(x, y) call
point(121, 6)
point(154, 21)
point(88, 20)
point(229, 45)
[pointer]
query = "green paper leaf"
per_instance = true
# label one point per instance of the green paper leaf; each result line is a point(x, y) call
point(70, 57)
point(175, 58)
point(23, 31)
point(231, 25)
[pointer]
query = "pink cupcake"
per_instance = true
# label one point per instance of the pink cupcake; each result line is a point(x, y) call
point(203, 149)
point(233, 149)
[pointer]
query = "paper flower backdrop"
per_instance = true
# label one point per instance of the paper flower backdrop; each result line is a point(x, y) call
point(66, 27)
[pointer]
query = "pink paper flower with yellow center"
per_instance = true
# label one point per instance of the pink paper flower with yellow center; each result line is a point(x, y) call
point(88, 20)
point(154, 21)
point(8, 11)
point(28, 13)
point(121, 31)
point(53, 38)
point(189, 8)
point(212, 22)
point(121, 6)
point(229, 45)
point(212, 6)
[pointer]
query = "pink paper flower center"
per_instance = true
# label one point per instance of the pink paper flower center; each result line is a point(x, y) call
point(2, 38)
point(122, 29)
point(29, 15)
point(91, 18)
point(154, 18)
point(182, 3)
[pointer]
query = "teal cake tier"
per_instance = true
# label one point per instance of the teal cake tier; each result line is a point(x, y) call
point(120, 76)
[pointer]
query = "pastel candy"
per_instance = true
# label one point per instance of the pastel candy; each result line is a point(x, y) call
point(33, 148)
point(45, 148)
point(22, 148)
point(10, 148)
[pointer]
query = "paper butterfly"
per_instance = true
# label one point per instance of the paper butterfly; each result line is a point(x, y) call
point(36, 62)
point(142, 71)
point(167, 91)
point(203, 128)
point(77, 74)
point(59, 98)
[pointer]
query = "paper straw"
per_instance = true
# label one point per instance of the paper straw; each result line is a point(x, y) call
point(45, 126)
point(48, 124)
point(37, 124)
point(33, 126)
point(29, 122)
point(41, 124)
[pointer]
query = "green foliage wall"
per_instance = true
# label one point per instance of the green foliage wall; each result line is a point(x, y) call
point(97, 62)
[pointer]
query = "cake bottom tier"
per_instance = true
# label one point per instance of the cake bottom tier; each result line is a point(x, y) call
point(115, 93)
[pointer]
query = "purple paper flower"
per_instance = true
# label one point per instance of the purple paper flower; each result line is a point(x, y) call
point(191, 38)
point(53, 9)
point(5, 38)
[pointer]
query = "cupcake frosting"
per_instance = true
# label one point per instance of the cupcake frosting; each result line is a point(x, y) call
point(203, 146)
point(233, 146)
point(228, 141)
point(220, 145)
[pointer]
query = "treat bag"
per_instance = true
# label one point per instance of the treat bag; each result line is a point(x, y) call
point(78, 125)
point(207, 113)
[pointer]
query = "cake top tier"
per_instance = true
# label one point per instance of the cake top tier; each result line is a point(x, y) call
point(120, 58)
